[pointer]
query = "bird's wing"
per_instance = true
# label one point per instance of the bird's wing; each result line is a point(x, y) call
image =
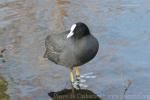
point(52, 44)
point(52, 47)
point(55, 44)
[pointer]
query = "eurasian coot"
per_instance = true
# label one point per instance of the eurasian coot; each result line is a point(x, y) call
point(72, 48)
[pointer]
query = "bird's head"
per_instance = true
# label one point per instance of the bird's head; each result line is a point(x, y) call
point(78, 30)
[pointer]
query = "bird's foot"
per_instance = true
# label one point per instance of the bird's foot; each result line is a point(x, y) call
point(78, 85)
point(80, 80)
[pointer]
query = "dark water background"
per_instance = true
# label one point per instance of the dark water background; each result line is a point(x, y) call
point(121, 26)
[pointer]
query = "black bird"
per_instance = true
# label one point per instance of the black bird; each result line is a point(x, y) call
point(72, 48)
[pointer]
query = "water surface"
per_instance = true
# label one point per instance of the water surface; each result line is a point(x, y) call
point(121, 26)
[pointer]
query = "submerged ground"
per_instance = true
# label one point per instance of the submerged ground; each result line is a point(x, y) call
point(121, 65)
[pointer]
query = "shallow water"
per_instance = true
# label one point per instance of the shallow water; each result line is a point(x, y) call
point(121, 26)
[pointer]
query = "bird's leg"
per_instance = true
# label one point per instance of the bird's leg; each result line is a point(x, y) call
point(72, 79)
point(77, 76)
point(71, 75)
point(78, 83)
point(77, 72)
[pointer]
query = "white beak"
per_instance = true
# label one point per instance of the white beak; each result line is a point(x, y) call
point(71, 31)
point(70, 34)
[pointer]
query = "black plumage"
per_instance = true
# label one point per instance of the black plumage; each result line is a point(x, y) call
point(76, 50)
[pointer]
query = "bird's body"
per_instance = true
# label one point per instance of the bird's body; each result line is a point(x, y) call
point(71, 48)
point(70, 52)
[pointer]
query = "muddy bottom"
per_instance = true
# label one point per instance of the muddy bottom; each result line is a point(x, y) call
point(68, 94)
